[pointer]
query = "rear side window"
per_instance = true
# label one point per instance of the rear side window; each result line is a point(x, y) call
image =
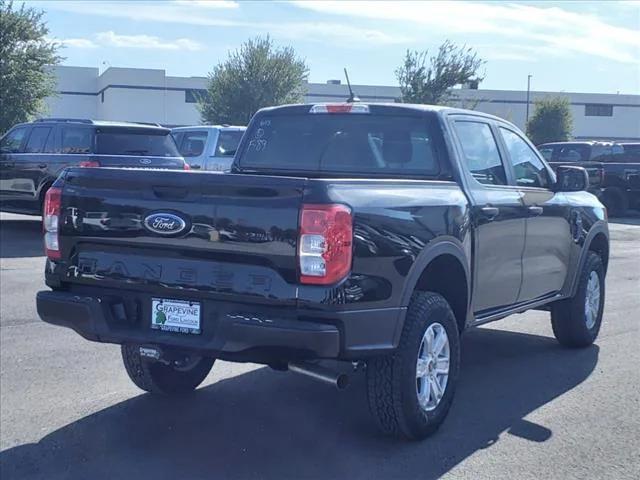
point(37, 139)
point(342, 143)
point(76, 140)
point(481, 152)
point(228, 143)
point(192, 143)
point(12, 143)
point(128, 141)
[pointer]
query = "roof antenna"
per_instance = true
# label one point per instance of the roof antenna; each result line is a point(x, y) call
point(352, 96)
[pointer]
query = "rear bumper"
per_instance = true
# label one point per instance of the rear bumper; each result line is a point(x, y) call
point(230, 331)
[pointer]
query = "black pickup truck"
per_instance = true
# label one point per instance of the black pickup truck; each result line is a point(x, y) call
point(613, 168)
point(371, 234)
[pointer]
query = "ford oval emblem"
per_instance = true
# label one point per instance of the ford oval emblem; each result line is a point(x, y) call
point(145, 161)
point(164, 223)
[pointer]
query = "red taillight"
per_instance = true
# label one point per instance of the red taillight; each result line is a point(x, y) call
point(89, 164)
point(186, 166)
point(50, 222)
point(325, 243)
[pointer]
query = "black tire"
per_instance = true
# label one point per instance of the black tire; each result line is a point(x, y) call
point(616, 201)
point(391, 380)
point(569, 317)
point(156, 377)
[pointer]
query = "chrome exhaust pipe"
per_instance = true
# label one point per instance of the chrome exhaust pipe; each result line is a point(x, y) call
point(337, 379)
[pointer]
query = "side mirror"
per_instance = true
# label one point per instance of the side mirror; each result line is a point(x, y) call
point(571, 179)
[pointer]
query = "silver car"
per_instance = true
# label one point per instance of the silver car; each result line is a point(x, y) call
point(208, 147)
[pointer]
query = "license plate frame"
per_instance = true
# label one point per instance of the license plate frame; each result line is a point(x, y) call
point(176, 316)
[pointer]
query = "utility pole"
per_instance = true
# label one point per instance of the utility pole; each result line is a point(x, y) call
point(528, 94)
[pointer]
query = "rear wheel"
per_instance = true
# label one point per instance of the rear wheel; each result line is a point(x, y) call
point(576, 321)
point(410, 392)
point(156, 377)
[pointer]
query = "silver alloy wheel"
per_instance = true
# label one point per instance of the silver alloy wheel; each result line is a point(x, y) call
point(592, 300)
point(432, 367)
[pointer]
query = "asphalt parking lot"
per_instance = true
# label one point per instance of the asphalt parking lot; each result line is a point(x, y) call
point(525, 407)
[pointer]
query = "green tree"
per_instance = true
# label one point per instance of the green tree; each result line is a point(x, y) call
point(256, 75)
point(429, 79)
point(551, 121)
point(26, 57)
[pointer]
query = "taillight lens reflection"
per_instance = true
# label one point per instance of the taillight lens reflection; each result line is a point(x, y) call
point(325, 243)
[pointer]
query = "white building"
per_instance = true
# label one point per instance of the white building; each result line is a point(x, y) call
point(144, 95)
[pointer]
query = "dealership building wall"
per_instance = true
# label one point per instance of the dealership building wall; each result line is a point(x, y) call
point(145, 95)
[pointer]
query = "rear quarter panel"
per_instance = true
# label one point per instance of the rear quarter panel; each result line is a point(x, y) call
point(394, 222)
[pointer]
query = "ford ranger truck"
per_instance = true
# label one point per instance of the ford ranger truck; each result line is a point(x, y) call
point(370, 234)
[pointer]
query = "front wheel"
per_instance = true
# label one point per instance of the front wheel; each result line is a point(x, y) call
point(410, 392)
point(156, 377)
point(576, 321)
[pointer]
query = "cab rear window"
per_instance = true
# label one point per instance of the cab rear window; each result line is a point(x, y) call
point(342, 143)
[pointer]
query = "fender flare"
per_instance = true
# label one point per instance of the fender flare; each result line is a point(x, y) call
point(445, 245)
point(599, 227)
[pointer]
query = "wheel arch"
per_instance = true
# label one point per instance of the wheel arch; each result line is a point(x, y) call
point(443, 267)
point(597, 240)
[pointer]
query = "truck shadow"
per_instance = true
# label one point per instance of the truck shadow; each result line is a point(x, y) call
point(266, 424)
point(21, 238)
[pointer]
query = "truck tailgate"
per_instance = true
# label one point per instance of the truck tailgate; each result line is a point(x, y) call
point(239, 234)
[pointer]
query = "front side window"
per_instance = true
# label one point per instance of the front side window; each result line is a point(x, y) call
point(480, 152)
point(228, 143)
point(37, 139)
point(527, 166)
point(76, 140)
point(13, 141)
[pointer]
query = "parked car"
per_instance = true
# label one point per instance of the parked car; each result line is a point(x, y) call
point(208, 147)
point(33, 154)
point(373, 234)
point(614, 169)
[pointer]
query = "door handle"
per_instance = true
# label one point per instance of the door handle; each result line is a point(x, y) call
point(490, 212)
point(42, 165)
point(535, 210)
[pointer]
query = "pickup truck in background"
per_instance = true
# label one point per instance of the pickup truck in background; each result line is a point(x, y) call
point(613, 168)
point(32, 155)
point(370, 234)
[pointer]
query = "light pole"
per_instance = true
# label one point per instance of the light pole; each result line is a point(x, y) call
point(528, 93)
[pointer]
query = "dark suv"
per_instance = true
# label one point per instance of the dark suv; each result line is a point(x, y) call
point(32, 155)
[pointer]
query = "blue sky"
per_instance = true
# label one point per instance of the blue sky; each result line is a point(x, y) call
point(567, 46)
